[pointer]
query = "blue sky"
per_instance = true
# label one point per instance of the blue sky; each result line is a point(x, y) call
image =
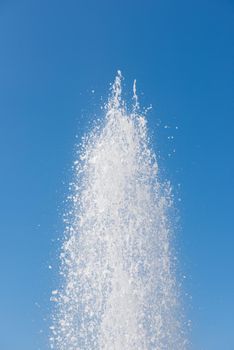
point(53, 54)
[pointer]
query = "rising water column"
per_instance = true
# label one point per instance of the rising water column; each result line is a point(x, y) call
point(118, 289)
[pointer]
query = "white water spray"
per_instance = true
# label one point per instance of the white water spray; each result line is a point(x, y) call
point(119, 290)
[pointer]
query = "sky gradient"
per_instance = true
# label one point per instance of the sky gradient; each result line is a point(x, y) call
point(53, 55)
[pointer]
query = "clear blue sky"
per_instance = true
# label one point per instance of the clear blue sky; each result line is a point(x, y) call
point(52, 54)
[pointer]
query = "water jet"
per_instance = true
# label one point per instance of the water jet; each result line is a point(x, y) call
point(119, 288)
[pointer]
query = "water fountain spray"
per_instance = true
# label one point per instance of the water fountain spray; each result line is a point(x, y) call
point(119, 289)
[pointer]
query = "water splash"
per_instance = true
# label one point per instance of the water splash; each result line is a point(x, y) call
point(119, 289)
